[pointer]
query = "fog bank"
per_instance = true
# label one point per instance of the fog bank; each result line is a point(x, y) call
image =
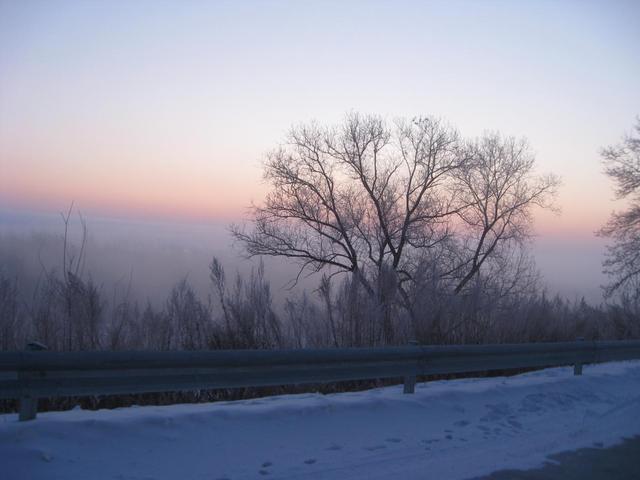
point(152, 256)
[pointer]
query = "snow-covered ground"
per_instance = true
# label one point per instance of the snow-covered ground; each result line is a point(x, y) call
point(447, 430)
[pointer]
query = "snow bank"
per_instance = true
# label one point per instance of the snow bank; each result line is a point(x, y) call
point(446, 430)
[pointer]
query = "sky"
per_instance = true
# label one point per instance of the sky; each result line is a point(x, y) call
point(163, 111)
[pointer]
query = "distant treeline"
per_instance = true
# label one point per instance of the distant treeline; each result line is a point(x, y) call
point(68, 309)
point(68, 312)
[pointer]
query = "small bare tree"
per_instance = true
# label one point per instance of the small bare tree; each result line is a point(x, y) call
point(67, 311)
point(622, 165)
point(249, 318)
point(11, 326)
point(189, 318)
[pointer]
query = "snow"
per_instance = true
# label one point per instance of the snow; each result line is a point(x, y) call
point(446, 430)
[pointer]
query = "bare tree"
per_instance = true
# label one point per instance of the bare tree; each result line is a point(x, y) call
point(622, 165)
point(81, 298)
point(67, 311)
point(11, 326)
point(249, 318)
point(372, 198)
point(188, 317)
point(498, 192)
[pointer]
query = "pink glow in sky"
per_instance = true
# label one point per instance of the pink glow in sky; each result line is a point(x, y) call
point(154, 109)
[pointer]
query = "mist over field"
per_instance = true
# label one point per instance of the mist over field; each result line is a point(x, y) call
point(151, 257)
point(148, 257)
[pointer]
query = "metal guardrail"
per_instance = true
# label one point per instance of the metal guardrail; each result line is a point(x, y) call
point(29, 375)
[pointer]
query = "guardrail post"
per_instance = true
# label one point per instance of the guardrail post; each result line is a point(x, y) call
point(28, 405)
point(410, 380)
point(577, 367)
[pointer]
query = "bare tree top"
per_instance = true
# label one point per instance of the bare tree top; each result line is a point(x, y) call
point(368, 196)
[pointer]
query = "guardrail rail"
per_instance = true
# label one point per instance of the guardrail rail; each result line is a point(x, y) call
point(29, 375)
